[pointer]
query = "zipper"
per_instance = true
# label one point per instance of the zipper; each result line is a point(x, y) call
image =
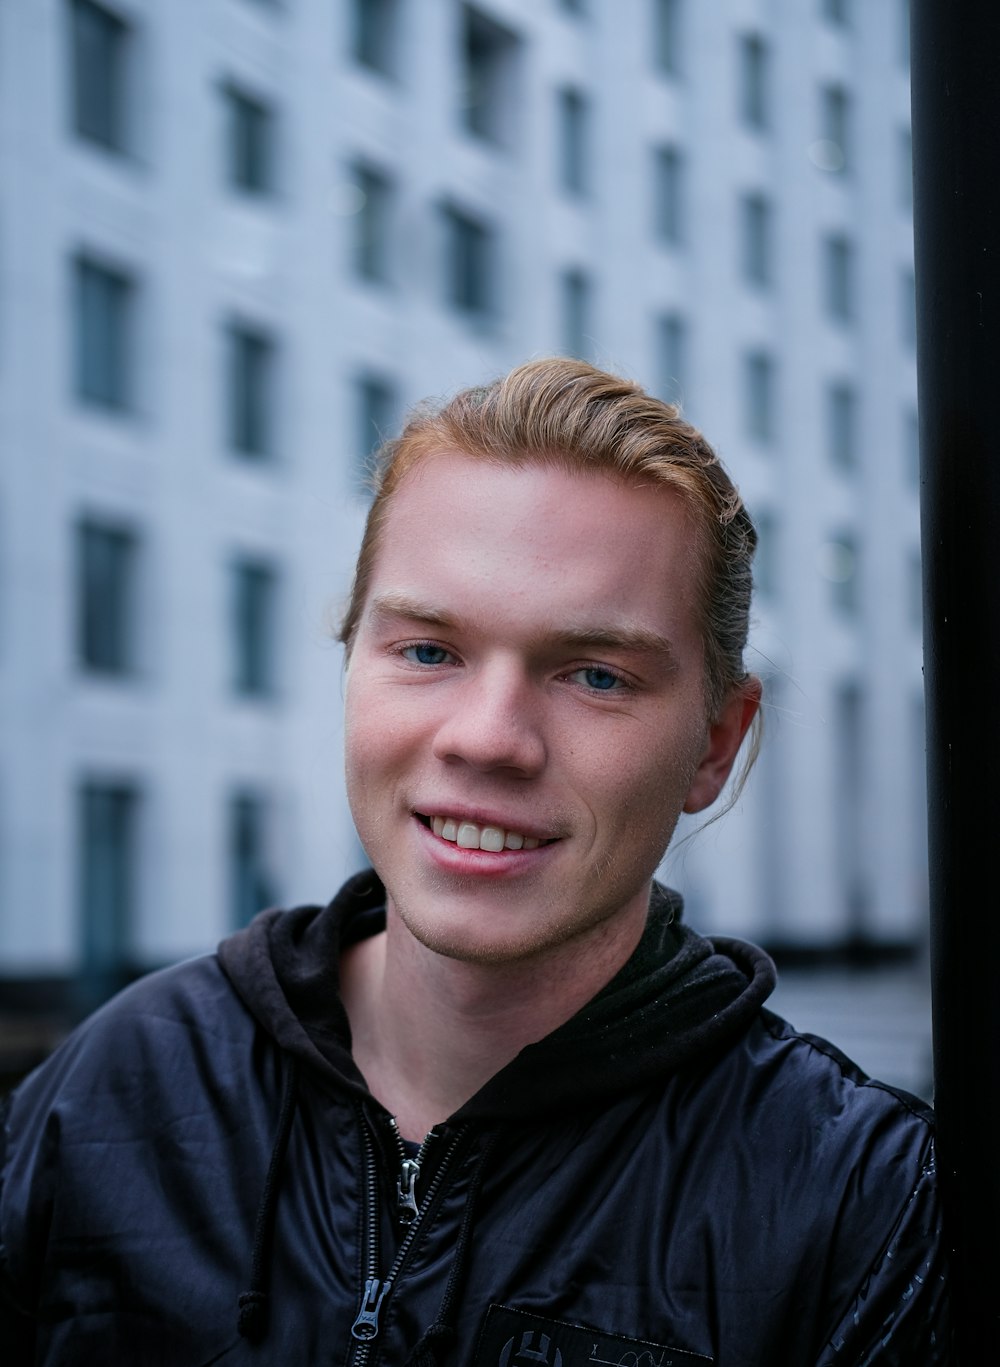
point(365, 1326)
point(407, 1209)
point(410, 1215)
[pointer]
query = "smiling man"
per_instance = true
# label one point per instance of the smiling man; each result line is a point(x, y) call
point(496, 1104)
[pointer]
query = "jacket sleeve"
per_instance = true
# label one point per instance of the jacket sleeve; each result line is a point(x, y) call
point(17, 1323)
point(900, 1314)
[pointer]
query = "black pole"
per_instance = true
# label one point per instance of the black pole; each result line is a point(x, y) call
point(955, 85)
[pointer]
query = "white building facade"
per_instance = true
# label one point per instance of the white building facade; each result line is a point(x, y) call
point(239, 237)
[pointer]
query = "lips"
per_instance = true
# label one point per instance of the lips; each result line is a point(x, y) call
point(471, 835)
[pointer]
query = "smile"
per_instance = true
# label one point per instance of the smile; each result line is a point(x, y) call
point(469, 835)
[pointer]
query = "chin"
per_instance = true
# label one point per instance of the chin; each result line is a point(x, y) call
point(468, 944)
point(484, 940)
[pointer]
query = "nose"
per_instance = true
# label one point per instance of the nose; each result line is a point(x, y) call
point(494, 722)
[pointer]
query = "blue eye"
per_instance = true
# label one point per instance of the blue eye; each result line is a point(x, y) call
point(426, 653)
point(600, 680)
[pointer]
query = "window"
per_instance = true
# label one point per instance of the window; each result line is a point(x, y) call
point(756, 232)
point(372, 223)
point(489, 61)
point(374, 25)
point(251, 888)
point(758, 381)
point(572, 141)
point(667, 36)
point(849, 780)
point(838, 563)
point(470, 248)
point(103, 322)
point(904, 33)
point(915, 590)
point(907, 309)
point(838, 277)
point(911, 447)
point(575, 308)
point(105, 585)
point(376, 409)
point(765, 561)
point(753, 75)
point(904, 158)
point(671, 347)
point(835, 132)
point(108, 862)
point(837, 12)
point(668, 195)
point(250, 391)
point(100, 44)
point(250, 150)
point(254, 608)
point(841, 425)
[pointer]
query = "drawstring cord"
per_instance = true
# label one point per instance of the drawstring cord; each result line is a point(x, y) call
point(435, 1340)
point(254, 1304)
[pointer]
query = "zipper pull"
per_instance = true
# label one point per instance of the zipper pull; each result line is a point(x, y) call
point(406, 1182)
point(365, 1327)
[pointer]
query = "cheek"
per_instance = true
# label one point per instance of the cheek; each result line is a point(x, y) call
point(381, 732)
point(652, 788)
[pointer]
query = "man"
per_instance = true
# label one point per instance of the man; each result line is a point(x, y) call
point(495, 1105)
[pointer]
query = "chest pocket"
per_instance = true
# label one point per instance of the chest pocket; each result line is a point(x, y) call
point(516, 1338)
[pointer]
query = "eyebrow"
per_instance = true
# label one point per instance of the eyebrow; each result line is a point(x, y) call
point(392, 604)
point(625, 638)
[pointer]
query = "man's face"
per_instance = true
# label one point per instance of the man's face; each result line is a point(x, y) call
point(525, 711)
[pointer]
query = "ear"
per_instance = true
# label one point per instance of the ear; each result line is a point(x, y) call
point(725, 736)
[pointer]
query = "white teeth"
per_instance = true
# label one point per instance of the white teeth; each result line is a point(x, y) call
point(470, 836)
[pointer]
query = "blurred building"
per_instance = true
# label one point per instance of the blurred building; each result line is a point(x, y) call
point(239, 237)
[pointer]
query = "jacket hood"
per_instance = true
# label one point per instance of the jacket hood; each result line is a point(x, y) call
point(679, 998)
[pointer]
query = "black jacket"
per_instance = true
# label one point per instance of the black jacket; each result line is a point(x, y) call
point(675, 1176)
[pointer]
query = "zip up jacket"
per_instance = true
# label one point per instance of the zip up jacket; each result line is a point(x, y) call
point(674, 1177)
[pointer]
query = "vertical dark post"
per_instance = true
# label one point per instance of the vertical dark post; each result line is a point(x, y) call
point(955, 55)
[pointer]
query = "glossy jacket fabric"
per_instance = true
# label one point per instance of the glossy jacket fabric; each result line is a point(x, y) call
point(674, 1177)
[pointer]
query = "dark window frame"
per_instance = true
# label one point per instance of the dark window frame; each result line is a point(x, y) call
point(373, 223)
point(672, 346)
point(376, 405)
point(757, 238)
point(374, 35)
point(470, 264)
point(104, 333)
point(754, 61)
point(101, 52)
point(108, 834)
point(106, 586)
point(669, 194)
point(839, 272)
point(668, 36)
point(250, 140)
point(251, 884)
point(573, 120)
point(251, 390)
point(255, 589)
point(576, 306)
point(489, 56)
point(760, 396)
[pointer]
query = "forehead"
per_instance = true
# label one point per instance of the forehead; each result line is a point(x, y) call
point(538, 538)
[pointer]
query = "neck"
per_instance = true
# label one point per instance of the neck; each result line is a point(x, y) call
point(428, 1031)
